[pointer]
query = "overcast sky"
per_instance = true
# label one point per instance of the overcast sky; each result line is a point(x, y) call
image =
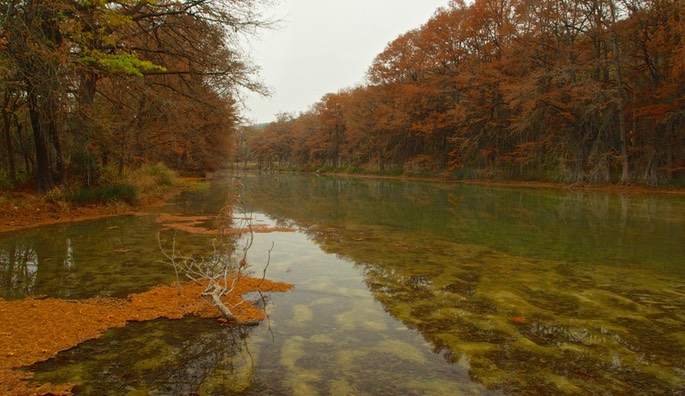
point(324, 46)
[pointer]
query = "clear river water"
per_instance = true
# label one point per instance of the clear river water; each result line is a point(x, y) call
point(401, 288)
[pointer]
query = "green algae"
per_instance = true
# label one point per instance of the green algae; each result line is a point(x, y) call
point(534, 294)
point(401, 350)
point(461, 290)
point(161, 356)
point(302, 315)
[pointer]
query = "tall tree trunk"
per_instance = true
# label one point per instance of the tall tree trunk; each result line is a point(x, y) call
point(53, 132)
point(623, 97)
point(7, 133)
point(650, 176)
point(670, 143)
point(25, 151)
point(43, 172)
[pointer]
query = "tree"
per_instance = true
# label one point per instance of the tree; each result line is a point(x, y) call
point(574, 91)
point(68, 58)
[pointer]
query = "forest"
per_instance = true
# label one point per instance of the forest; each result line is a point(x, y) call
point(99, 86)
point(571, 91)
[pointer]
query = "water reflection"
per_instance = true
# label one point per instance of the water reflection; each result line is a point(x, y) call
point(569, 225)
point(18, 267)
point(192, 356)
point(110, 257)
point(328, 337)
point(417, 288)
point(523, 327)
point(69, 260)
point(538, 291)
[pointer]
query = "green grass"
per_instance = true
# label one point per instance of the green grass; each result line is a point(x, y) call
point(109, 194)
point(678, 182)
point(7, 184)
point(160, 173)
point(389, 172)
point(194, 185)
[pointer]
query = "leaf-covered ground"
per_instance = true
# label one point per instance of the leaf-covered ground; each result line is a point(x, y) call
point(19, 210)
point(24, 207)
point(35, 330)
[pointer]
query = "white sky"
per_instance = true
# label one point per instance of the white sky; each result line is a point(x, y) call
point(324, 46)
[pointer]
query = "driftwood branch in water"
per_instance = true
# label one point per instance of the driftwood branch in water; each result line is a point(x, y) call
point(224, 268)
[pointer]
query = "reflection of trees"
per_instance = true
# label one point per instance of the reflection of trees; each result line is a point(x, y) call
point(18, 269)
point(69, 260)
point(214, 361)
point(108, 257)
point(188, 356)
point(570, 225)
point(479, 273)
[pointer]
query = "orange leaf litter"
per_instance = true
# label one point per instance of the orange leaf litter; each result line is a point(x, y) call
point(32, 330)
point(192, 225)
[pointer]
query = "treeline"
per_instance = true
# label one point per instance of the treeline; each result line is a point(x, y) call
point(570, 91)
point(91, 85)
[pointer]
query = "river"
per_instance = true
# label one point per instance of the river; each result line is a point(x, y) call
point(401, 288)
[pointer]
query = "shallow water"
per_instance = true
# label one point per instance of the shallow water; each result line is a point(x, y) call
point(401, 288)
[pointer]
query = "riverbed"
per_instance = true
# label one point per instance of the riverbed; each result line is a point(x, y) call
point(401, 287)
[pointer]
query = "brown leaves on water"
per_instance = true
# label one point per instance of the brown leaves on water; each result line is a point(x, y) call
point(190, 224)
point(35, 330)
point(204, 225)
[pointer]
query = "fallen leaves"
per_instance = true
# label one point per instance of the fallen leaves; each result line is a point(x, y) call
point(26, 210)
point(16, 383)
point(204, 225)
point(34, 330)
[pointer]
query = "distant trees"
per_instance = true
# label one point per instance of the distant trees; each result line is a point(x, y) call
point(92, 83)
point(572, 91)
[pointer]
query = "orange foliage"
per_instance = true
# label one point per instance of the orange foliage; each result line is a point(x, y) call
point(515, 88)
point(192, 224)
point(27, 209)
point(34, 330)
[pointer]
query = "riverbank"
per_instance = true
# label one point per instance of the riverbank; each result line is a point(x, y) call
point(50, 325)
point(26, 208)
point(610, 188)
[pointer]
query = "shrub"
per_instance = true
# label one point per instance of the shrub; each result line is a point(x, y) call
point(389, 172)
point(108, 194)
point(421, 165)
point(150, 181)
point(161, 174)
point(60, 193)
point(465, 174)
point(678, 182)
point(5, 182)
